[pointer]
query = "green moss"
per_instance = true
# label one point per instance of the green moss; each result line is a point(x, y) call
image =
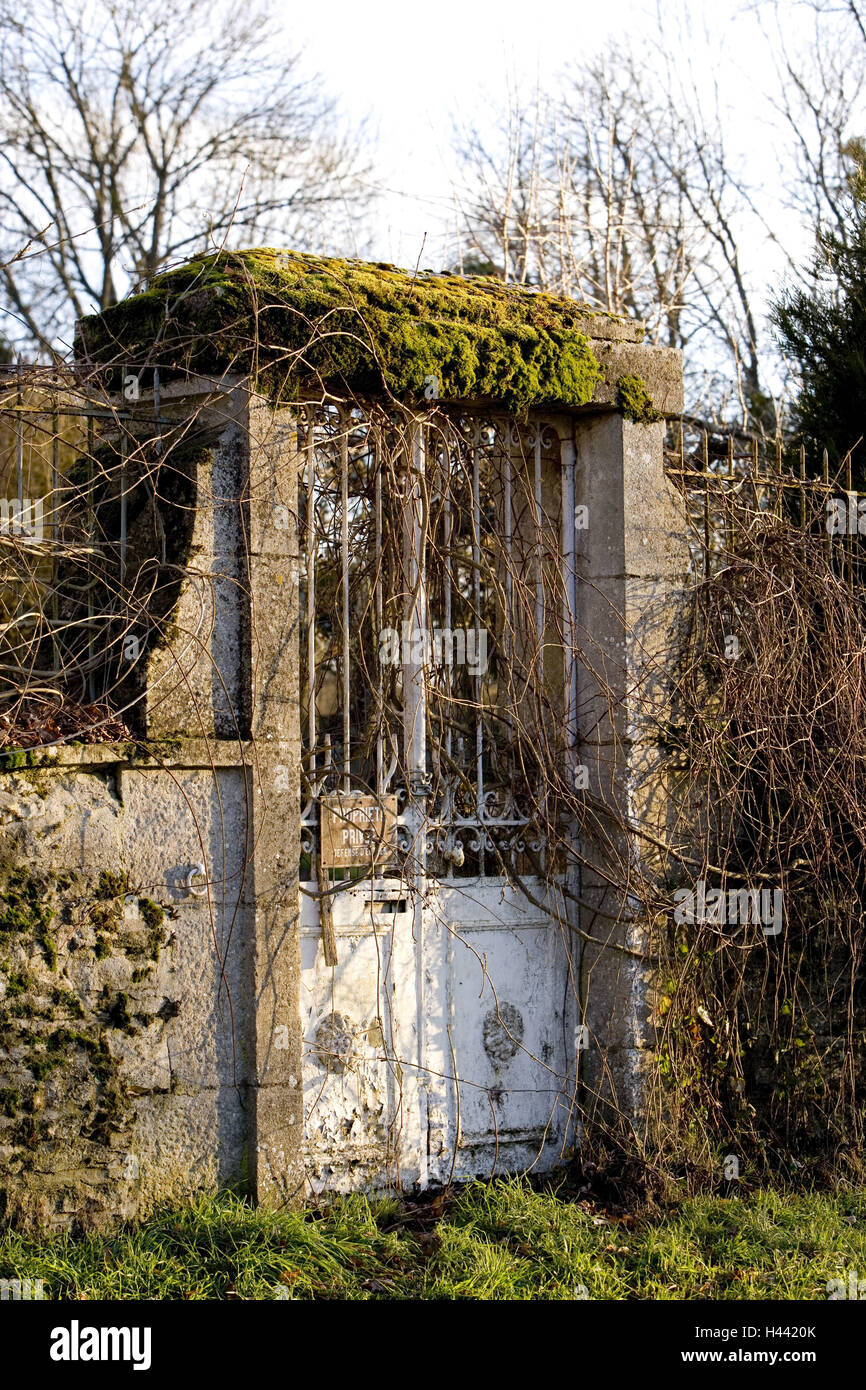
point(63, 1037)
point(79, 473)
point(118, 1014)
point(635, 401)
point(46, 1030)
point(154, 750)
point(152, 913)
point(110, 885)
point(36, 761)
point(106, 911)
point(10, 1102)
point(106, 916)
point(16, 758)
point(297, 322)
point(68, 1000)
point(40, 1064)
point(19, 904)
point(154, 917)
point(23, 909)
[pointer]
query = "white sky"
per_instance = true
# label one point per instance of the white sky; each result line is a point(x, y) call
point(418, 67)
point(415, 68)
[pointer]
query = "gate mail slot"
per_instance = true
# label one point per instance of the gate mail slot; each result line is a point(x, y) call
point(356, 830)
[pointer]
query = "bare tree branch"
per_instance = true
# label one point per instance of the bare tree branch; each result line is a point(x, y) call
point(142, 135)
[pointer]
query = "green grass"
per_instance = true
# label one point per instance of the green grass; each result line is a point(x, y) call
point(500, 1240)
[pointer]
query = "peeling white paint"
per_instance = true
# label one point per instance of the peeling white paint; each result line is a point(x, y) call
point(475, 1076)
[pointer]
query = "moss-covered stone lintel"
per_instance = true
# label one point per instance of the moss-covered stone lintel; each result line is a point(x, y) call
point(301, 323)
point(178, 752)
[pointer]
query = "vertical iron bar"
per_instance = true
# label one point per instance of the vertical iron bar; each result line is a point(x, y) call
point(539, 557)
point(310, 546)
point(448, 670)
point(728, 499)
point(705, 445)
point(415, 668)
point(476, 603)
point(415, 728)
point(55, 532)
point(344, 560)
point(157, 404)
point(91, 643)
point(55, 473)
point(509, 580)
point(448, 598)
point(124, 444)
point(568, 566)
point(803, 487)
point(19, 447)
point(380, 677)
point(825, 473)
point(849, 537)
point(539, 592)
point(574, 592)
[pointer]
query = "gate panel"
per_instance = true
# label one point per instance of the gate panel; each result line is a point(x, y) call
point(512, 1027)
point(360, 1101)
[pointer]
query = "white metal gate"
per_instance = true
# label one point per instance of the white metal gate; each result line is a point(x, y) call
point(437, 601)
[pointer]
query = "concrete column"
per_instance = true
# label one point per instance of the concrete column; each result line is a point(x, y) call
point(631, 561)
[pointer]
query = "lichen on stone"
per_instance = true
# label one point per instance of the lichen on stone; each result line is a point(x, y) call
point(299, 322)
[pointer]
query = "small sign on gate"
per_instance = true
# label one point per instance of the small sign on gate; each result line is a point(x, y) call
point(356, 830)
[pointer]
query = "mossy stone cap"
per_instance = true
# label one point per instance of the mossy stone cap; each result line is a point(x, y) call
point(298, 322)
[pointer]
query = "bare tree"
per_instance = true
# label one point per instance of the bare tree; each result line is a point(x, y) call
point(131, 136)
point(820, 99)
point(617, 188)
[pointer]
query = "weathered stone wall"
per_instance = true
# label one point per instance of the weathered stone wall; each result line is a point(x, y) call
point(125, 1041)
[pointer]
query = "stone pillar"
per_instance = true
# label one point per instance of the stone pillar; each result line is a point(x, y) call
point(229, 672)
point(631, 561)
point(272, 682)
